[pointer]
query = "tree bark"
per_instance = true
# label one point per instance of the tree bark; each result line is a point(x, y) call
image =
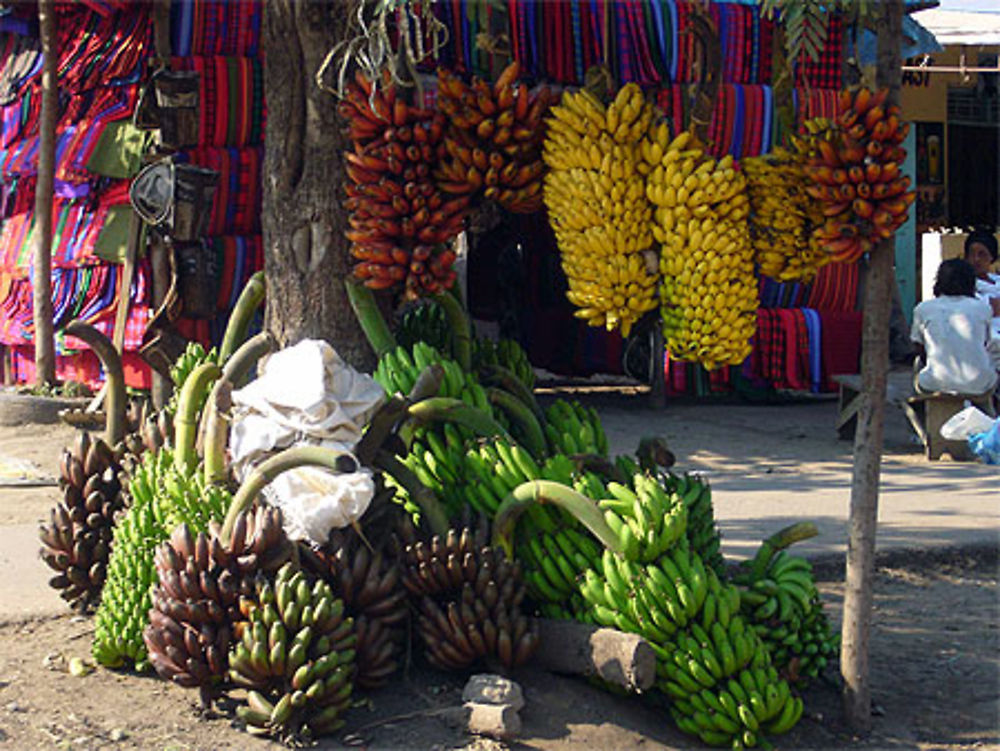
point(863, 522)
point(305, 252)
point(45, 356)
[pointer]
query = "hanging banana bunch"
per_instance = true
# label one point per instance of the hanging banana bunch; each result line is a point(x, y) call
point(494, 139)
point(782, 216)
point(709, 292)
point(596, 199)
point(400, 221)
point(858, 176)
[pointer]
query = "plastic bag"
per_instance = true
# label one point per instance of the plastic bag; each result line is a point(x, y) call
point(986, 445)
point(969, 421)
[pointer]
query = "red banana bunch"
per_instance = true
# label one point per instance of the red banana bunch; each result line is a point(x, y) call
point(400, 221)
point(857, 175)
point(494, 139)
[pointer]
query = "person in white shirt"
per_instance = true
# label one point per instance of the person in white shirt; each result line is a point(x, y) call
point(953, 331)
point(981, 253)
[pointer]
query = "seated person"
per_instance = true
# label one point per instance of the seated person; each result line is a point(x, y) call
point(953, 332)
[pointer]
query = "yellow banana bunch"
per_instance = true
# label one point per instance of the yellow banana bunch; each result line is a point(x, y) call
point(709, 292)
point(596, 198)
point(782, 216)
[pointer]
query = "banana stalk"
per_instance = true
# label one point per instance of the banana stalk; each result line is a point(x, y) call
point(461, 347)
point(186, 421)
point(382, 422)
point(520, 413)
point(420, 493)
point(215, 421)
point(239, 320)
point(779, 541)
point(445, 409)
point(600, 465)
point(370, 318)
point(525, 495)
point(266, 471)
point(112, 362)
point(497, 375)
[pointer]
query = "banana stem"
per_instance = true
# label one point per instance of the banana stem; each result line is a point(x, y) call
point(579, 506)
point(382, 422)
point(600, 465)
point(239, 320)
point(379, 428)
point(370, 318)
point(266, 471)
point(521, 415)
point(420, 493)
point(779, 541)
point(460, 330)
point(446, 409)
point(114, 400)
point(428, 383)
point(215, 423)
point(186, 419)
point(497, 375)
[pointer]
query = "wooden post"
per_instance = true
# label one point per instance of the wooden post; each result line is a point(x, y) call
point(45, 355)
point(158, 249)
point(160, 272)
point(863, 521)
point(658, 383)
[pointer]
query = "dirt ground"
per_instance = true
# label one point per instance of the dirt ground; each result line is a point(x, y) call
point(935, 669)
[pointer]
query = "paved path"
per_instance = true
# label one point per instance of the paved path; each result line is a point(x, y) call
point(769, 466)
point(773, 465)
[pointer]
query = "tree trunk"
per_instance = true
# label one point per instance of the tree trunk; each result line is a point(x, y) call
point(45, 356)
point(868, 438)
point(305, 252)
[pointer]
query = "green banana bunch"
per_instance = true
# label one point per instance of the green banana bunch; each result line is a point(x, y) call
point(701, 530)
point(505, 353)
point(785, 609)
point(399, 369)
point(572, 428)
point(647, 520)
point(162, 497)
point(193, 356)
point(714, 667)
point(425, 321)
point(295, 655)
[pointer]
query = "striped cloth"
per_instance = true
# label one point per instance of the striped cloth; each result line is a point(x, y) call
point(231, 99)
point(215, 27)
point(835, 288)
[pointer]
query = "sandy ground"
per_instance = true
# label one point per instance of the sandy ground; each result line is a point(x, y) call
point(935, 643)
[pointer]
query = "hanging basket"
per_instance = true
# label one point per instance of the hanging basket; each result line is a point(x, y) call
point(177, 107)
point(152, 192)
point(161, 346)
point(175, 196)
point(197, 279)
point(194, 190)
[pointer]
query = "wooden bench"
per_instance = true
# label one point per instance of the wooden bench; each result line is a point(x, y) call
point(926, 412)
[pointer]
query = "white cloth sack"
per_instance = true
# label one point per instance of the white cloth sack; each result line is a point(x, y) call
point(969, 421)
point(307, 395)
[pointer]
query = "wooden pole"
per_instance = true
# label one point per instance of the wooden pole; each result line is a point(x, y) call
point(45, 356)
point(160, 268)
point(863, 521)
